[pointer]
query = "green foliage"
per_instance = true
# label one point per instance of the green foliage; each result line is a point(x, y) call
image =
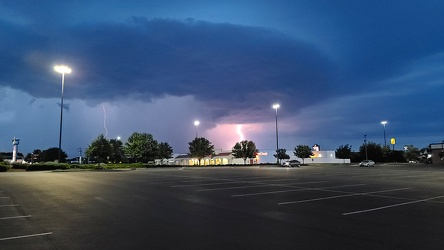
point(281, 154)
point(165, 151)
point(411, 153)
point(35, 156)
point(117, 151)
point(46, 166)
point(4, 168)
point(52, 154)
point(374, 152)
point(141, 146)
point(16, 165)
point(302, 151)
point(200, 148)
point(100, 149)
point(28, 157)
point(244, 149)
point(395, 156)
point(344, 152)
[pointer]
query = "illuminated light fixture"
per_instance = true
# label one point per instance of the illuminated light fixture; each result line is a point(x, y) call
point(62, 69)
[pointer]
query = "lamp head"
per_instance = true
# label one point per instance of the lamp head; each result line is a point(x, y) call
point(62, 69)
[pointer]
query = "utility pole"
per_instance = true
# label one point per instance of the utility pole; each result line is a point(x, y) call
point(365, 143)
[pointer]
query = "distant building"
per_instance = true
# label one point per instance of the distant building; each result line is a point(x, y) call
point(221, 158)
point(263, 157)
point(436, 153)
point(325, 157)
point(8, 156)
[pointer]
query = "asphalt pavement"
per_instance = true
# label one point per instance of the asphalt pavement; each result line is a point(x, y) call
point(391, 206)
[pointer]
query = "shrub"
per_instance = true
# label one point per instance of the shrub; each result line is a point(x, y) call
point(3, 168)
point(16, 165)
point(46, 166)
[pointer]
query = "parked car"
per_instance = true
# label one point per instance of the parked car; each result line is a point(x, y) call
point(367, 163)
point(291, 163)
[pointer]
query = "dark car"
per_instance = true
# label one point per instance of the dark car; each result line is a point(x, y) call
point(291, 163)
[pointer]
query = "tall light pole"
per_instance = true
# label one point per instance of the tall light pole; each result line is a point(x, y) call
point(196, 123)
point(385, 142)
point(276, 106)
point(62, 70)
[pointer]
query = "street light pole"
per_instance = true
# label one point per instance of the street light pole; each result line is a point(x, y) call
point(196, 123)
point(276, 106)
point(63, 70)
point(385, 141)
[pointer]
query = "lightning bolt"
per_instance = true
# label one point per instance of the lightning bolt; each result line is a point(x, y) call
point(104, 120)
point(239, 132)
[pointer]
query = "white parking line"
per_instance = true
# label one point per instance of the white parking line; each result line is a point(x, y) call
point(372, 174)
point(341, 196)
point(296, 190)
point(431, 179)
point(25, 236)
point(390, 206)
point(207, 184)
point(260, 185)
point(226, 181)
point(12, 205)
point(15, 217)
point(104, 201)
point(238, 187)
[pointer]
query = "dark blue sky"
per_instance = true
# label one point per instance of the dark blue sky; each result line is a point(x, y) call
point(337, 68)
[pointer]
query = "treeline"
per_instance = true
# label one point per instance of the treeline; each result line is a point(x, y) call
point(143, 148)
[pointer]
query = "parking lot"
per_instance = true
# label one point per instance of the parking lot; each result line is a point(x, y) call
point(391, 206)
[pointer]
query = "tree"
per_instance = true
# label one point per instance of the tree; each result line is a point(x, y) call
point(28, 157)
point(374, 152)
point(117, 152)
point(395, 156)
point(52, 154)
point(344, 152)
point(141, 146)
point(100, 149)
point(244, 149)
point(165, 151)
point(200, 148)
point(302, 151)
point(281, 154)
point(411, 153)
point(36, 155)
